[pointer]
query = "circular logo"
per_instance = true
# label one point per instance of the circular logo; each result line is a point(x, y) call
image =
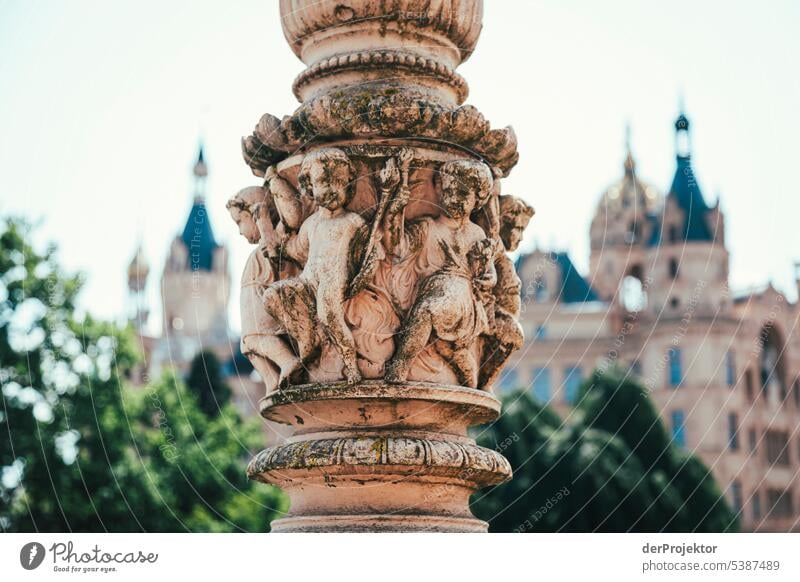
point(31, 555)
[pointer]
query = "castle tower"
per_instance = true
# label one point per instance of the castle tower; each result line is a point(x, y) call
point(621, 232)
point(138, 270)
point(195, 283)
point(688, 261)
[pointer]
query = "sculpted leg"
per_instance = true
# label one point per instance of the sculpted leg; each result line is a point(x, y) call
point(284, 302)
point(330, 313)
point(412, 341)
point(256, 351)
point(462, 362)
point(507, 339)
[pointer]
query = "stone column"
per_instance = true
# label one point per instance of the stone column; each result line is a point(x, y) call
point(380, 304)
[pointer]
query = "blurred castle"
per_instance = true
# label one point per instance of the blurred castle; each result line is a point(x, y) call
point(724, 370)
point(195, 288)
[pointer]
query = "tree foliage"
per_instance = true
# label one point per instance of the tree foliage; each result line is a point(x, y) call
point(612, 468)
point(206, 381)
point(82, 451)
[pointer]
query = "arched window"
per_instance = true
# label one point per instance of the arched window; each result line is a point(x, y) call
point(633, 294)
point(771, 373)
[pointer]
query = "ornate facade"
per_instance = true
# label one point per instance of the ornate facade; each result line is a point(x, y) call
point(723, 368)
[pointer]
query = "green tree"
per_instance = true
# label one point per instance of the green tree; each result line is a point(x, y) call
point(82, 451)
point(612, 468)
point(206, 381)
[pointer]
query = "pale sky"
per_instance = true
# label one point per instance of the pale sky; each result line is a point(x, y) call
point(102, 105)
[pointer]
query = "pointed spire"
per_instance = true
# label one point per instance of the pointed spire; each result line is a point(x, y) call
point(138, 269)
point(683, 141)
point(200, 172)
point(630, 163)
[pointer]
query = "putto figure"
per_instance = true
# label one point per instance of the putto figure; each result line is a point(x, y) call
point(447, 250)
point(251, 209)
point(505, 335)
point(313, 302)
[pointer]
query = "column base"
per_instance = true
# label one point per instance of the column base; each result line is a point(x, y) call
point(380, 457)
point(379, 524)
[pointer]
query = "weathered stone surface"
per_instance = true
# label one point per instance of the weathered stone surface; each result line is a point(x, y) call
point(380, 303)
point(377, 449)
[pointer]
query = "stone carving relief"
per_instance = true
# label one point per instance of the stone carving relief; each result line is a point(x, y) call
point(380, 262)
point(379, 293)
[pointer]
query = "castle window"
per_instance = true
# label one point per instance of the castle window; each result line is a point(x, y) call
point(674, 235)
point(756, 500)
point(509, 380)
point(678, 422)
point(673, 268)
point(796, 392)
point(780, 503)
point(633, 232)
point(748, 384)
point(771, 364)
point(730, 368)
point(675, 367)
point(753, 440)
point(674, 302)
point(736, 496)
point(733, 431)
point(541, 332)
point(541, 384)
point(778, 447)
point(573, 378)
point(632, 294)
point(540, 289)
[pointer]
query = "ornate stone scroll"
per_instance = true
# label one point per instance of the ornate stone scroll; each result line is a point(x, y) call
point(379, 304)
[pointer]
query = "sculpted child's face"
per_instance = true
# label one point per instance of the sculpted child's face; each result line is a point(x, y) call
point(512, 236)
point(329, 182)
point(457, 200)
point(247, 226)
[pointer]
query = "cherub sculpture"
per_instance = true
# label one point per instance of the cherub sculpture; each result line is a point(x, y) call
point(313, 302)
point(251, 209)
point(452, 254)
point(505, 334)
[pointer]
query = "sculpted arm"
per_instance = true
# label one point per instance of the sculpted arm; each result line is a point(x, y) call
point(286, 199)
point(296, 245)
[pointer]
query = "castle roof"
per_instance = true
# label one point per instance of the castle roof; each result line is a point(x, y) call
point(685, 191)
point(571, 286)
point(574, 288)
point(198, 235)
